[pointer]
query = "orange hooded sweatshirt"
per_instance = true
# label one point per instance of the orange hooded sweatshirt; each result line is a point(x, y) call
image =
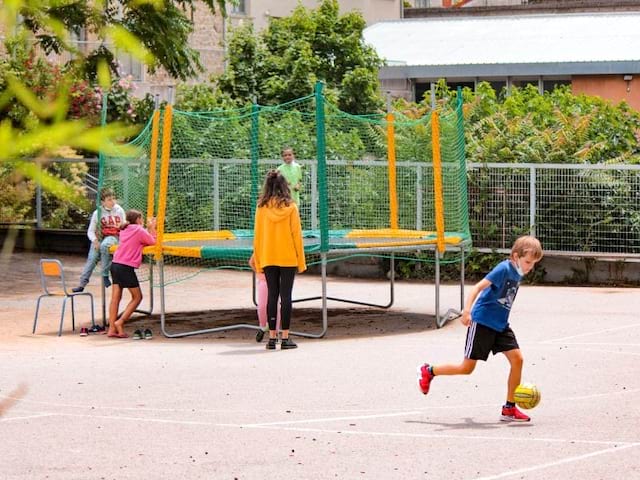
point(277, 238)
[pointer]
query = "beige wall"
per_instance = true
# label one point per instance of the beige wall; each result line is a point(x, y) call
point(610, 87)
point(373, 11)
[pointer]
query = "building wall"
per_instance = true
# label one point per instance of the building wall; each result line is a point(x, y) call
point(610, 87)
point(373, 11)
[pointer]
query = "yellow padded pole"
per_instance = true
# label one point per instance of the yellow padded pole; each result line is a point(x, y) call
point(391, 157)
point(437, 181)
point(153, 161)
point(164, 179)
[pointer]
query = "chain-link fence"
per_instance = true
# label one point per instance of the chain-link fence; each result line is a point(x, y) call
point(581, 210)
point(586, 210)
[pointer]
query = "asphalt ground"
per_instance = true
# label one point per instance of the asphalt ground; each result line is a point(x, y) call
point(220, 406)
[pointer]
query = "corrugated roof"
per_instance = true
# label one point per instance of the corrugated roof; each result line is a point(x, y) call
point(609, 39)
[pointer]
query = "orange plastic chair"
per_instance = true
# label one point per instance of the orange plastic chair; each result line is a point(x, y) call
point(53, 284)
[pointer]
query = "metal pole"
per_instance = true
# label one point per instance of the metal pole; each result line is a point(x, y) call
point(532, 201)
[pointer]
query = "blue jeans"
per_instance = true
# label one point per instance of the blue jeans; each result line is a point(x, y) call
point(101, 254)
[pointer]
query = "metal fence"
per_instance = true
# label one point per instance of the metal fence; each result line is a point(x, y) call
point(582, 210)
point(579, 210)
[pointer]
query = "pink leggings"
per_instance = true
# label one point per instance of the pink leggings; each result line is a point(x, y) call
point(263, 295)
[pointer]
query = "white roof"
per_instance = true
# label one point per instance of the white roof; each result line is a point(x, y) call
point(556, 43)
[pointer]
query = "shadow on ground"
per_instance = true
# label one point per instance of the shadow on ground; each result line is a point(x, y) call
point(342, 323)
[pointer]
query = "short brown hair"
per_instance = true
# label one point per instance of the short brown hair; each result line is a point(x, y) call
point(106, 193)
point(527, 244)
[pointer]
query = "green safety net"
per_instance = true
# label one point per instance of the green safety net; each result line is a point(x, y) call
point(218, 161)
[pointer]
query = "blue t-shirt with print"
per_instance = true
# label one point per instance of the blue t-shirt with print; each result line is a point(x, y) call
point(494, 303)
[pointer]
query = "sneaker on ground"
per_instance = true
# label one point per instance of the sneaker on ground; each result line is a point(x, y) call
point(260, 335)
point(137, 335)
point(94, 329)
point(84, 332)
point(148, 335)
point(287, 344)
point(271, 344)
point(424, 378)
point(77, 289)
point(512, 414)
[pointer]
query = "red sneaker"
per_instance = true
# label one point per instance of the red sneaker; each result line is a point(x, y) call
point(512, 414)
point(424, 378)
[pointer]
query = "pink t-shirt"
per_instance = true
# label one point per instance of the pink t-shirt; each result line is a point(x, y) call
point(132, 240)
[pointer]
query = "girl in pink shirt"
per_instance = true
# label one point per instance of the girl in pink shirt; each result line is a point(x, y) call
point(128, 257)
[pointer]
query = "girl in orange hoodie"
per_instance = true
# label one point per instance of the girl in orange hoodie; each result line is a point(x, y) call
point(278, 252)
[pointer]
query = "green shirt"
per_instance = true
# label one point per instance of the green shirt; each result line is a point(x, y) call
point(292, 172)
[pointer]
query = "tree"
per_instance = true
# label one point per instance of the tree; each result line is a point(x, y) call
point(156, 31)
point(284, 62)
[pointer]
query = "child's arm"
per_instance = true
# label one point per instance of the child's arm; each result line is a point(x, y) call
point(471, 299)
point(252, 262)
point(92, 231)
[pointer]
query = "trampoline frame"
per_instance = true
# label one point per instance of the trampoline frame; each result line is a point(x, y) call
point(441, 319)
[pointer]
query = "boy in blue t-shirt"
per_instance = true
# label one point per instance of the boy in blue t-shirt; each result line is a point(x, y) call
point(488, 322)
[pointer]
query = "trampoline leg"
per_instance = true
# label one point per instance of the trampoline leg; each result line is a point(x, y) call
point(163, 317)
point(437, 288)
point(150, 311)
point(325, 321)
point(461, 279)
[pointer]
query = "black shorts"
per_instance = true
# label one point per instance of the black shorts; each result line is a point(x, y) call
point(124, 275)
point(481, 340)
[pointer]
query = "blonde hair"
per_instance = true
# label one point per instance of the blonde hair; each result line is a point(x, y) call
point(527, 244)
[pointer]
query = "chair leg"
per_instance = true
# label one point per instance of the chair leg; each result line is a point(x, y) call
point(35, 319)
point(93, 318)
point(73, 315)
point(64, 305)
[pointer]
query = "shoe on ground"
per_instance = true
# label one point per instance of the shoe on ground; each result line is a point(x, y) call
point(260, 335)
point(95, 329)
point(84, 332)
point(106, 281)
point(148, 335)
point(137, 335)
point(512, 414)
point(287, 344)
point(77, 289)
point(424, 378)
point(271, 344)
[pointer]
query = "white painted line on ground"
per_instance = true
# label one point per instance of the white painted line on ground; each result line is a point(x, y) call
point(559, 462)
point(27, 417)
point(497, 438)
point(597, 332)
point(609, 344)
point(597, 350)
point(333, 419)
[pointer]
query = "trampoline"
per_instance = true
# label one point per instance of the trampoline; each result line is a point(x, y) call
point(399, 188)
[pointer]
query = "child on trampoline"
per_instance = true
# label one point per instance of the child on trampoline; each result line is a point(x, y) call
point(292, 171)
point(128, 257)
point(488, 322)
point(103, 233)
point(278, 251)
point(263, 295)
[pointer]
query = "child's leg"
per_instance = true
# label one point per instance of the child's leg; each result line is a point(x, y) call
point(136, 298)
point(116, 296)
point(90, 264)
point(263, 293)
point(465, 368)
point(272, 274)
point(515, 374)
point(287, 275)
point(105, 255)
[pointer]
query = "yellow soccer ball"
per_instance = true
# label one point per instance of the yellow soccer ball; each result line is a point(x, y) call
point(527, 395)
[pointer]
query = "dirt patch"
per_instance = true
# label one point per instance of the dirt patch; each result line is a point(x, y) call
point(343, 323)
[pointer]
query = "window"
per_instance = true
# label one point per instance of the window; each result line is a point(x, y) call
point(240, 8)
